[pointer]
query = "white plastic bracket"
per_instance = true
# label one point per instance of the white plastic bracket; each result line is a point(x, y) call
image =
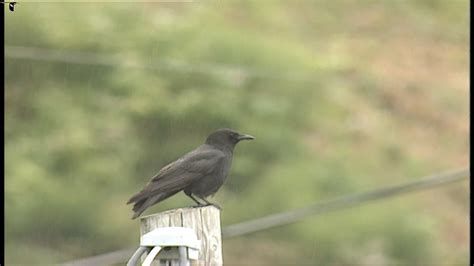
point(182, 237)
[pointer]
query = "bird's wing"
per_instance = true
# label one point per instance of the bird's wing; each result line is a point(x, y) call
point(189, 168)
point(181, 173)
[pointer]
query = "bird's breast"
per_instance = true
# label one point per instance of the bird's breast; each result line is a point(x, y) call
point(210, 183)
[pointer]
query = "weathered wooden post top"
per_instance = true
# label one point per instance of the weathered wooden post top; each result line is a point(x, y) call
point(204, 224)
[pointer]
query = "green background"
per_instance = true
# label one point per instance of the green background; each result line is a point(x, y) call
point(343, 97)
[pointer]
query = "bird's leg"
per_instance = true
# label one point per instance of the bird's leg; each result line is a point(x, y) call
point(195, 200)
point(210, 203)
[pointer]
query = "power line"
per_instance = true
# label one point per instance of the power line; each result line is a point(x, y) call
point(114, 257)
point(285, 218)
point(110, 60)
point(293, 216)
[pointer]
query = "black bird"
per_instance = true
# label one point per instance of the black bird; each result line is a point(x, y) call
point(200, 172)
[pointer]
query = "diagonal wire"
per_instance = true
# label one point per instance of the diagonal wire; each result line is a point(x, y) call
point(293, 216)
point(110, 60)
point(289, 217)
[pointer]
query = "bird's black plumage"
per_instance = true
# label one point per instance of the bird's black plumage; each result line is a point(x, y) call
point(199, 173)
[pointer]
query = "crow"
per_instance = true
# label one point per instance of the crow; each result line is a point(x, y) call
point(199, 173)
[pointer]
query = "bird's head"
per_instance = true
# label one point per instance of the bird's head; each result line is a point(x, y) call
point(226, 138)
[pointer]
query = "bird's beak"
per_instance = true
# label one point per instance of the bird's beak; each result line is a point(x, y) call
point(245, 137)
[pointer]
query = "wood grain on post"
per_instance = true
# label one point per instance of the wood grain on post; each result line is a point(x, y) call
point(206, 223)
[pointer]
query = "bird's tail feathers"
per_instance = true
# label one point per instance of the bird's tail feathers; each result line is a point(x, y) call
point(143, 194)
point(135, 198)
point(142, 204)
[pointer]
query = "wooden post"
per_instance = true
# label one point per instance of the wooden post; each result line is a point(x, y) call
point(204, 220)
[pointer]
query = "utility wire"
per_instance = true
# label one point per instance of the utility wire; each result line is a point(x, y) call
point(109, 60)
point(285, 218)
point(289, 217)
point(110, 258)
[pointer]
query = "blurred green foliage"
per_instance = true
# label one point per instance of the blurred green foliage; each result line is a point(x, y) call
point(343, 96)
